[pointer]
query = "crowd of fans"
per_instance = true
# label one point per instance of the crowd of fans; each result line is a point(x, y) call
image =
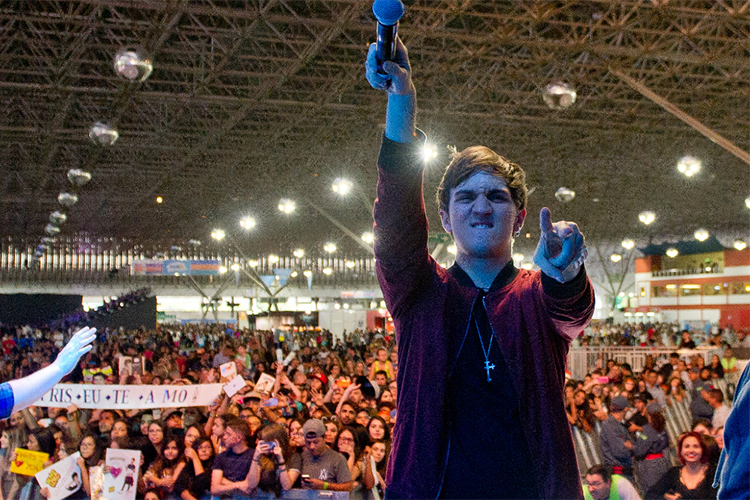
point(327, 422)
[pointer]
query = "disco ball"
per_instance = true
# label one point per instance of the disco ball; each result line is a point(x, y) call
point(133, 64)
point(103, 134)
point(57, 218)
point(565, 195)
point(52, 230)
point(67, 199)
point(47, 240)
point(78, 177)
point(559, 95)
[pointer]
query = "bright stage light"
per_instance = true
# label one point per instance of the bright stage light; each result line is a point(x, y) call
point(218, 234)
point(518, 258)
point(287, 206)
point(559, 95)
point(452, 249)
point(299, 253)
point(223, 270)
point(307, 273)
point(330, 247)
point(273, 259)
point(647, 217)
point(689, 166)
point(235, 267)
point(159, 200)
point(672, 253)
point(429, 151)
point(628, 244)
point(349, 264)
point(342, 186)
point(327, 271)
point(739, 245)
point(247, 223)
point(253, 263)
point(615, 257)
point(294, 274)
point(368, 237)
point(701, 235)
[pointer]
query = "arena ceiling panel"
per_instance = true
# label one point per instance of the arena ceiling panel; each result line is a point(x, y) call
point(251, 101)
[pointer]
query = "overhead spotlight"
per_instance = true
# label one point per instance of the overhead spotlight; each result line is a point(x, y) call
point(327, 271)
point(307, 273)
point(565, 195)
point(689, 166)
point(739, 245)
point(253, 263)
point(452, 249)
point(235, 267)
point(67, 199)
point(628, 244)
point(223, 270)
point(429, 152)
point(218, 234)
point(159, 200)
point(78, 177)
point(527, 265)
point(330, 247)
point(672, 253)
point(559, 95)
point(57, 218)
point(133, 64)
point(647, 217)
point(103, 134)
point(615, 257)
point(747, 202)
point(299, 253)
point(273, 259)
point(294, 274)
point(342, 186)
point(518, 258)
point(287, 206)
point(701, 234)
point(350, 264)
point(195, 243)
point(368, 237)
point(247, 223)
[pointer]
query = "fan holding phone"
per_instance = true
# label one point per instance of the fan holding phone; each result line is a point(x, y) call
point(269, 470)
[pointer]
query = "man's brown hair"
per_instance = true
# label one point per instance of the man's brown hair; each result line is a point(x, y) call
point(482, 159)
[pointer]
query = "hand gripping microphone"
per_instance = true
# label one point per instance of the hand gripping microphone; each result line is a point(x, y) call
point(387, 12)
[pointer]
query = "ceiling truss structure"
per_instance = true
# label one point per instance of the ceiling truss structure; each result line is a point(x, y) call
point(252, 100)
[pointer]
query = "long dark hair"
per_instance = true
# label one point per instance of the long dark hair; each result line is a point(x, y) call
point(98, 454)
point(163, 462)
point(658, 422)
point(387, 432)
point(207, 464)
point(45, 439)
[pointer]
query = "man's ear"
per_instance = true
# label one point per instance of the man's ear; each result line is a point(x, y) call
point(520, 218)
point(446, 221)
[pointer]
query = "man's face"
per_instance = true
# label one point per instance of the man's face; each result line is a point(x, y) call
point(597, 487)
point(174, 421)
point(106, 421)
point(316, 445)
point(231, 438)
point(380, 379)
point(482, 216)
point(347, 415)
point(382, 355)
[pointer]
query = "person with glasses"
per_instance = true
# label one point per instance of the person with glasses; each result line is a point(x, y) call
point(601, 484)
point(319, 466)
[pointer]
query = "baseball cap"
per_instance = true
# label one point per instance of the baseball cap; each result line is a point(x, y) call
point(618, 403)
point(314, 428)
point(320, 377)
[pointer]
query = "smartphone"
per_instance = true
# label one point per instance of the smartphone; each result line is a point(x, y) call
point(271, 445)
point(271, 402)
point(305, 478)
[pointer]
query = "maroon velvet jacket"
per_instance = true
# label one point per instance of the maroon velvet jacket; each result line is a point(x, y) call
point(431, 312)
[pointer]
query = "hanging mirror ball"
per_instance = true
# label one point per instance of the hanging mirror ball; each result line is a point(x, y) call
point(57, 218)
point(559, 95)
point(565, 195)
point(78, 177)
point(103, 134)
point(133, 64)
point(52, 230)
point(67, 199)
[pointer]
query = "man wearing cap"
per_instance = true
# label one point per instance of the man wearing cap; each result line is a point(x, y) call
point(637, 420)
point(617, 448)
point(321, 467)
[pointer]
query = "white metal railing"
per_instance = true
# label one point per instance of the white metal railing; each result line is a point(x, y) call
point(583, 360)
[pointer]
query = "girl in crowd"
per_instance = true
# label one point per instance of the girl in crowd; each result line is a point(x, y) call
point(120, 429)
point(92, 455)
point(580, 413)
point(677, 392)
point(296, 438)
point(693, 479)
point(332, 430)
point(268, 470)
point(43, 440)
point(192, 433)
point(378, 430)
point(362, 417)
point(165, 470)
point(9, 441)
point(351, 442)
point(375, 465)
point(194, 482)
point(649, 448)
point(153, 448)
point(717, 370)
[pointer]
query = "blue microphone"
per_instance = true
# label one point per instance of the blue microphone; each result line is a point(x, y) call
point(388, 13)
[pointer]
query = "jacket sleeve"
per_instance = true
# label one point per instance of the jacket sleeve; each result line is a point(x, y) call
point(400, 223)
point(615, 442)
point(570, 305)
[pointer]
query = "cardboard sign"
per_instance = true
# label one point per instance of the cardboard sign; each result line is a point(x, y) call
point(131, 365)
point(27, 462)
point(120, 483)
point(265, 383)
point(234, 386)
point(228, 370)
point(61, 479)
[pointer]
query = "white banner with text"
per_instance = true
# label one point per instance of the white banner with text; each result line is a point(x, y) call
point(129, 397)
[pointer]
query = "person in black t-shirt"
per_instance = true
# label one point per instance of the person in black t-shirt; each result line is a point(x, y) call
point(231, 466)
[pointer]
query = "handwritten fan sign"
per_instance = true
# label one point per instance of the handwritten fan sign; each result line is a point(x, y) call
point(120, 480)
point(129, 397)
point(27, 462)
point(61, 479)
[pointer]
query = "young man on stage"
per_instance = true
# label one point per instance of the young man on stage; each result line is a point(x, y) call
point(482, 345)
